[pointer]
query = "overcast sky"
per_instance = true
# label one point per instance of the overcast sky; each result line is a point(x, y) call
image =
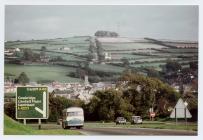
point(41, 22)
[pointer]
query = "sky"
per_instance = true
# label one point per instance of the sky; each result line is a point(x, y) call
point(23, 22)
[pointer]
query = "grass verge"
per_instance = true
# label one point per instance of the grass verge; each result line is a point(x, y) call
point(11, 127)
point(146, 124)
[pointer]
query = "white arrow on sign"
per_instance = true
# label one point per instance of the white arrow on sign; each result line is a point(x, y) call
point(43, 111)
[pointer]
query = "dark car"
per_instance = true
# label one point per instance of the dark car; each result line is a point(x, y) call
point(120, 120)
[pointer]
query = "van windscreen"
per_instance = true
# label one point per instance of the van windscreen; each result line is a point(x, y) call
point(74, 114)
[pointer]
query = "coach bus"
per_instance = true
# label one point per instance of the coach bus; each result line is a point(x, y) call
point(73, 117)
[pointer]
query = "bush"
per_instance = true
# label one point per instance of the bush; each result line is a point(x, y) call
point(10, 109)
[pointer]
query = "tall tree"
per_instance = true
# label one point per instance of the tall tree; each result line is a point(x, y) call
point(145, 92)
point(23, 78)
point(172, 66)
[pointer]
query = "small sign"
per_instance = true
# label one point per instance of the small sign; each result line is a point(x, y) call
point(152, 114)
point(32, 103)
point(180, 110)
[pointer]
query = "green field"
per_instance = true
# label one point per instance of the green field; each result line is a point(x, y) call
point(51, 44)
point(42, 72)
point(128, 46)
point(128, 56)
point(66, 57)
point(106, 68)
point(146, 124)
point(12, 127)
point(184, 50)
point(139, 54)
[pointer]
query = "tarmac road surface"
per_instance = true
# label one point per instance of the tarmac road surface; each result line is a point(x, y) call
point(123, 131)
point(136, 131)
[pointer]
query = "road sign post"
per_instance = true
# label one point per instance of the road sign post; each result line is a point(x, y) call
point(32, 103)
point(39, 121)
point(176, 116)
point(151, 111)
point(24, 121)
point(185, 117)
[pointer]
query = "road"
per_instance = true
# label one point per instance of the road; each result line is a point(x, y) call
point(114, 130)
point(136, 131)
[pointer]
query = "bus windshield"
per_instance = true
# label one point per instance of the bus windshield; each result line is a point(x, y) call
point(74, 114)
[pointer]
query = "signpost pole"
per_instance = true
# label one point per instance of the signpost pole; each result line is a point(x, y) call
point(149, 116)
point(39, 121)
point(185, 116)
point(24, 121)
point(176, 116)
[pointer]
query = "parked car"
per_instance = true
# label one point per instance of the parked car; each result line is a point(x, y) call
point(120, 120)
point(136, 120)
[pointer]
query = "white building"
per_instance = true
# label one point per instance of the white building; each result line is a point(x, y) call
point(107, 56)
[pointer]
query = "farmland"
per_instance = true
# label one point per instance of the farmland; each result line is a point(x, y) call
point(75, 52)
point(106, 68)
point(129, 46)
point(145, 54)
point(42, 72)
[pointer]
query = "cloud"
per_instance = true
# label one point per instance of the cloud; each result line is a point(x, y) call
point(36, 22)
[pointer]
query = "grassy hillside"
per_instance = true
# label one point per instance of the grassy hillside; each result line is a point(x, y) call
point(44, 72)
point(11, 127)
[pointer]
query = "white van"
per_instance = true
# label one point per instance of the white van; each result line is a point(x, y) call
point(136, 120)
point(73, 117)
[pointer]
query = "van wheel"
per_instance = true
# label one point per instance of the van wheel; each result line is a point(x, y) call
point(63, 126)
point(78, 127)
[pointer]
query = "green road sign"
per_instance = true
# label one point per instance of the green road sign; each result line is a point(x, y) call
point(32, 103)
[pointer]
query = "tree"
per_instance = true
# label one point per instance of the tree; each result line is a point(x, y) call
point(144, 92)
point(125, 62)
point(153, 73)
point(9, 109)
point(43, 48)
point(109, 104)
point(27, 54)
point(58, 104)
point(23, 78)
point(106, 34)
point(194, 65)
point(172, 66)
